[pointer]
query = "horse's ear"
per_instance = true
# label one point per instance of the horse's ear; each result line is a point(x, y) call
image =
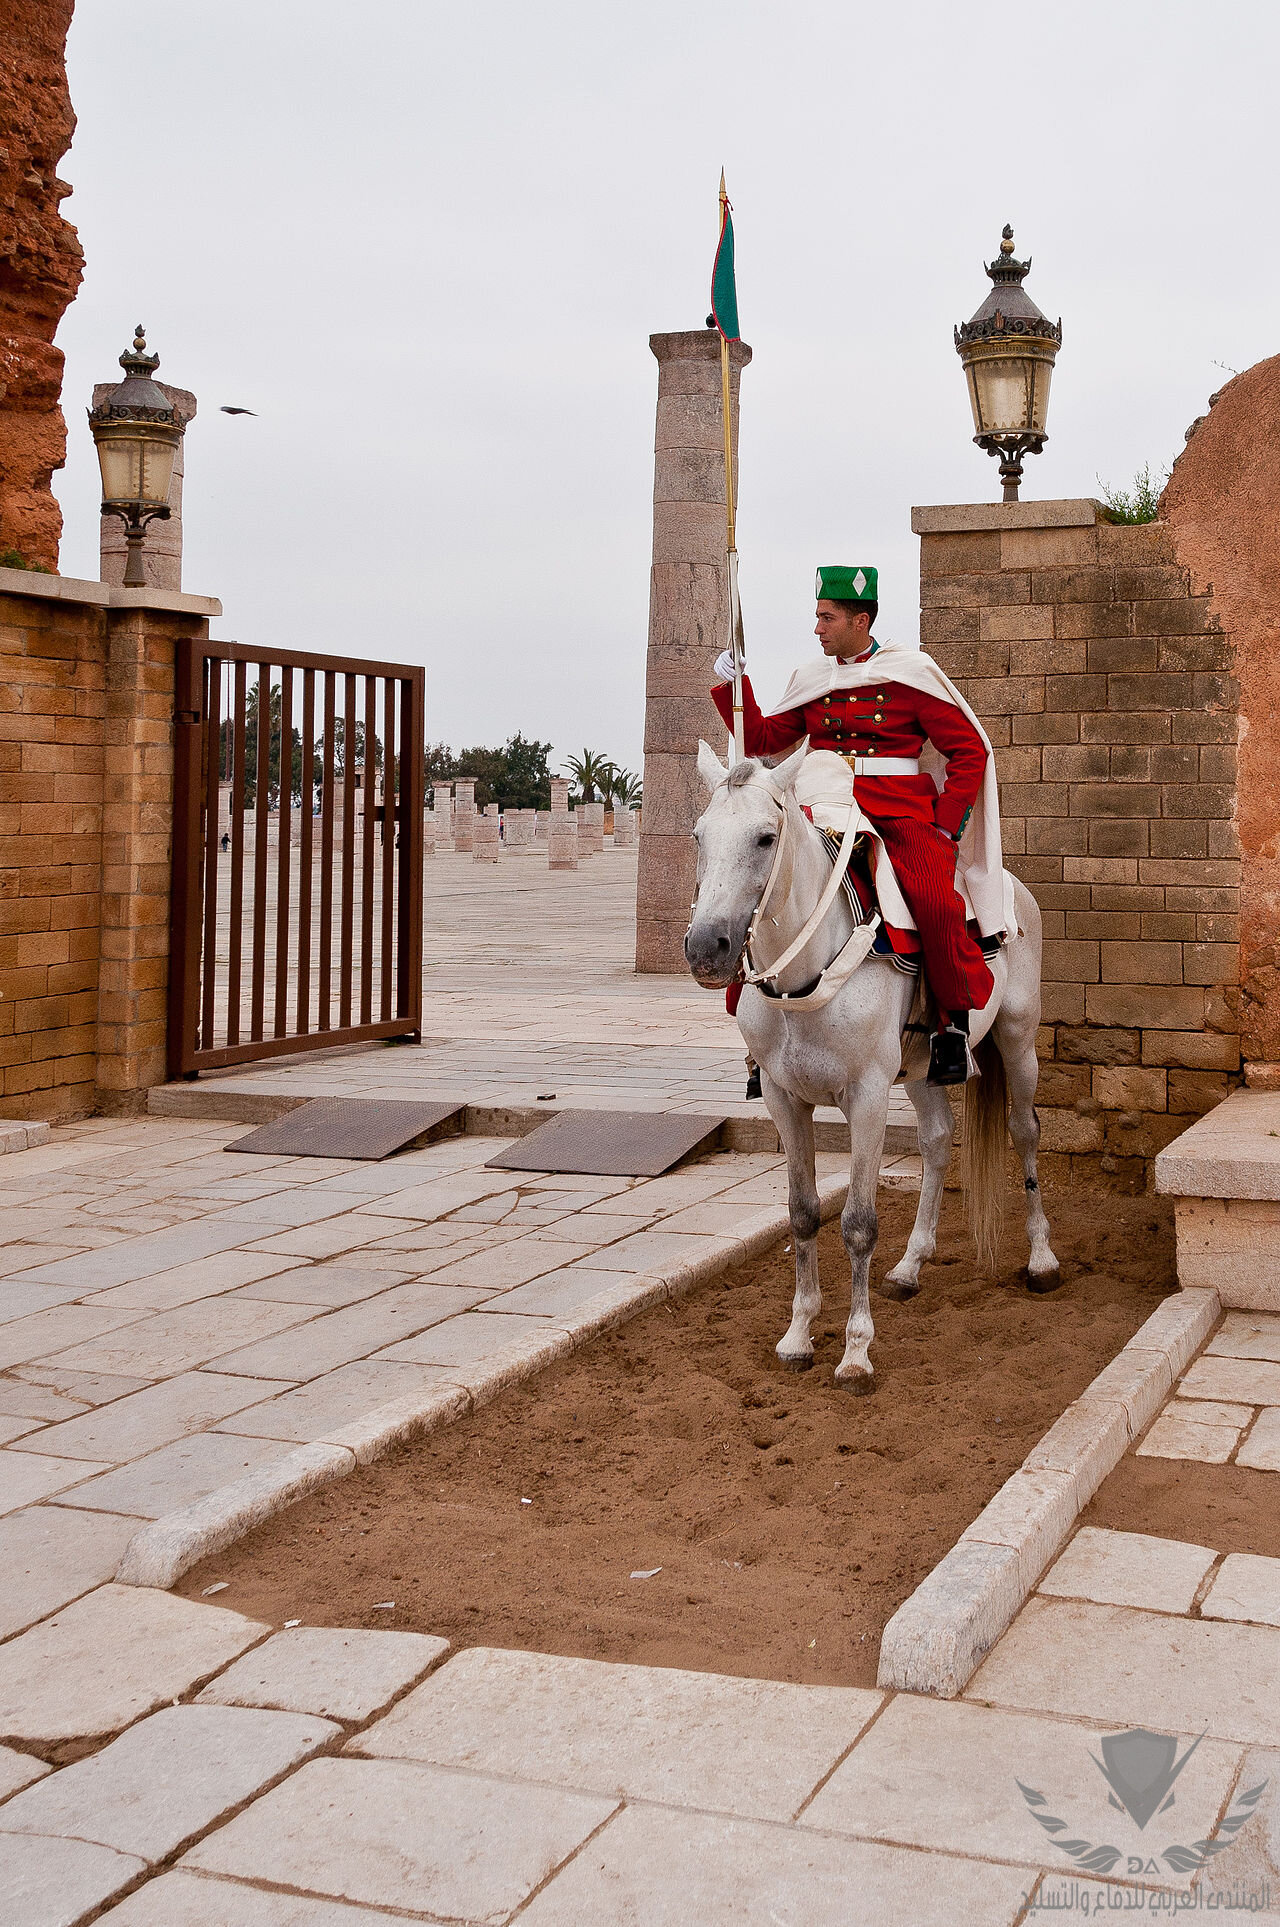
point(784, 774)
point(712, 771)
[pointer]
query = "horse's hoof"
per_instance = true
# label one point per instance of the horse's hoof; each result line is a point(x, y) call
point(857, 1384)
point(1043, 1282)
point(801, 1364)
point(898, 1289)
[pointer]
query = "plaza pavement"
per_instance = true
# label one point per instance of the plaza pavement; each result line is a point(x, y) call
point(172, 1318)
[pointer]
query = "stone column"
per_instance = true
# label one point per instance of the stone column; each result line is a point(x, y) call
point(485, 841)
point(562, 831)
point(441, 810)
point(688, 627)
point(542, 825)
point(464, 813)
point(592, 815)
point(428, 833)
point(162, 551)
point(623, 828)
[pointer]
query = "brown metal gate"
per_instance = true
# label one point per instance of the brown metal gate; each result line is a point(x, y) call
point(296, 908)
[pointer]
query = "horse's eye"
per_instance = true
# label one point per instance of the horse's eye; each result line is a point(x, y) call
point(763, 843)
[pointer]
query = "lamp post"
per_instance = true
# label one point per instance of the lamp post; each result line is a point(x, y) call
point(137, 431)
point(1008, 351)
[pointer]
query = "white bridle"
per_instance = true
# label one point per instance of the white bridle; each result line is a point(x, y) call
point(847, 959)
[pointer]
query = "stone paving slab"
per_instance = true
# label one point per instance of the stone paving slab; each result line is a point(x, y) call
point(942, 1774)
point(1246, 1586)
point(55, 1883)
point(1261, 1449)
point(49, 1555)
point(87, 1388)
point(176, 1474)
point(105, 1660)
point(1246, 1335)
point(143, 1422)
point(47, 1332)
point(195, 1900)
point(338, 1398)
point(1174, 1437)
point(202, 1278)
point(165, 1343)
point(391, 1833)
point(656, 1868)
point(752, 1747)
point(467, 1340)
point(26, 1477)
point(168, 1779)
point(18, 1770)
point(1240, 1381)
point(1137, 1669)
point(356, 1331)
point(328, 1287)
point(1129, 1569)
point(326, 1670)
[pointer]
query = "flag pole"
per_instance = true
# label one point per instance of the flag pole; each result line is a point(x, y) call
point(735, 608)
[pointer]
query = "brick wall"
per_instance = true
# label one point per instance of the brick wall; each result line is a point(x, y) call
point(1105, 685)
point(86, 791)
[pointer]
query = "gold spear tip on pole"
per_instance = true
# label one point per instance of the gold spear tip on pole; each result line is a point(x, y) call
point(723, 193)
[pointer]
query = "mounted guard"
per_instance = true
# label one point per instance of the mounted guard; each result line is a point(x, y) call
point(892, 738)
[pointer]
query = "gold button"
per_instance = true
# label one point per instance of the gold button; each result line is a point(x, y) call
point(879, 695)
point(878, 717)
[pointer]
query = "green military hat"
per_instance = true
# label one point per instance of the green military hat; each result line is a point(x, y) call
point(854, 582)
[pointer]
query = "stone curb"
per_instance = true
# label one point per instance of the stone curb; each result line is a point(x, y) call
point(936, 1640)
point(160, 1552)
point(22, 1134)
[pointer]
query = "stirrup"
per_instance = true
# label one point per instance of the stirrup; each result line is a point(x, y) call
point(950, 1059)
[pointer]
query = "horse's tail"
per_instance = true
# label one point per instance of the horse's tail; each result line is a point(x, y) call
point(982, 1154)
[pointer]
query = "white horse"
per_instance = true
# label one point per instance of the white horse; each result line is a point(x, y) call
point(842, 1044)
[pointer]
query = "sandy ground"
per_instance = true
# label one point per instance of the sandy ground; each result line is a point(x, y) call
point(787, 1519)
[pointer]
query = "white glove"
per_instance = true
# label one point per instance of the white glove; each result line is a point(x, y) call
point(723, 666)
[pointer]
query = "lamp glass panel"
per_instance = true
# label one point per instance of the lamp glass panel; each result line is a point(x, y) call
point(119, 458)
point(1041, 373)
point(1004, 394)
point(157, 471)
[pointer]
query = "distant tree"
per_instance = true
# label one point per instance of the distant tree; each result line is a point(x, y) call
point(628, 789)
point(516, 776)
point(588, 772)
point(226, 749)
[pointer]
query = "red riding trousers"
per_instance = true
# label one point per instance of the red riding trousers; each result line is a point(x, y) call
point(916, 820)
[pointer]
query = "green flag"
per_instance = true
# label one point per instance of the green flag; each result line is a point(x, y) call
point(724, 291)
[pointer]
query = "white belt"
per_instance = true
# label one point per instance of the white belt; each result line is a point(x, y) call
point(884, 765)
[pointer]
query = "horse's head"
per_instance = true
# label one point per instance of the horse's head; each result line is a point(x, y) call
point(737, 836)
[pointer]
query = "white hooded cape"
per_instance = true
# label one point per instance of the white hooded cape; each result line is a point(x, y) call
point(980, 872)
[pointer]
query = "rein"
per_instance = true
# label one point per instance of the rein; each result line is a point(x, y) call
point(850, 955)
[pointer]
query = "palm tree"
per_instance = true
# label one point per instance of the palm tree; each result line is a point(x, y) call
point(627, 789)
point(588, 771)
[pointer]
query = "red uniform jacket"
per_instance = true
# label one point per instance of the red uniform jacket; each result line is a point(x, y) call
point(880, 719)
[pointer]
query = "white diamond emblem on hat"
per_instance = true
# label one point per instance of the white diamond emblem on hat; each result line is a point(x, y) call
point(859, 582)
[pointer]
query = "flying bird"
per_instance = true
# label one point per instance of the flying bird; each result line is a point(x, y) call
point(239, 411)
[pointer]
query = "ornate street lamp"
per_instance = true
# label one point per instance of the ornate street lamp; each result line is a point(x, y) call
point(1008, 351)
point(137, 431)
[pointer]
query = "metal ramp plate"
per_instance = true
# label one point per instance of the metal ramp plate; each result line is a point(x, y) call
point(610, 1144)
point(350, 1127)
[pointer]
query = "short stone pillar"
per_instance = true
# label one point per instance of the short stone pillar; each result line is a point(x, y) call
point(519, 829)
point(428, 833)
point(592, 816)
point(464, 813)
point(562, 831)
point(485, 835)
point(542, 822)
point(442, 813)
point(688, 627)
point(623, 827)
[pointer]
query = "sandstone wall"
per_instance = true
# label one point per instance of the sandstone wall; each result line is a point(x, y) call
point(40, 269)
point(1222, 512)
point(1102, 673)
point(86, 821)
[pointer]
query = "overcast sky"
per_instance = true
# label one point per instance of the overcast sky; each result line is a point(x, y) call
point(428, 243)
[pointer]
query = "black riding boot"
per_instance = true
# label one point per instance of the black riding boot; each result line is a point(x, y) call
point(949, 1059)
point(753, 1079)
